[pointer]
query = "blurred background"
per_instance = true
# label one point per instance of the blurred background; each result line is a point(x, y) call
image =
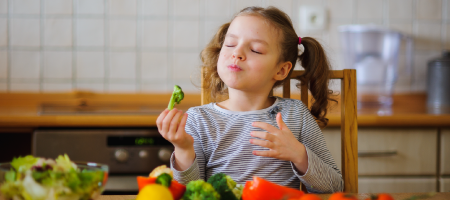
point(147, 46)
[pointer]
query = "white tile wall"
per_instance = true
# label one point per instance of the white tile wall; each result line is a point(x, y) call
point(154, 66)
point(122, 87)
point(26, 6)
point(90, 65)
point(186, 8)
point(122, 7)
point(155, 7)
point(3, 33)
point(122, 33)
point(25, 32)
point(57, 87)
point(3, 6)
point(149, 45)
point(123, 65)
point(400, 9)
point(58, 32)
point(3, 65)
point(90, 6)
point(155, 33)
point(369, 9)
point(25, 65)
point(25, 87)
point(90, 32)
point(186, 34)
point(429, 9)
point(218, 8)
point(57, 65)
point(58, 6)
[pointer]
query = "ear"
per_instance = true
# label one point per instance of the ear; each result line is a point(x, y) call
point(283, 71)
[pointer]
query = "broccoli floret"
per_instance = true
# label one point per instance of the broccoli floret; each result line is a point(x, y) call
point(226, 186)
point(164, 179)
point(200, 190)
point(177, 96)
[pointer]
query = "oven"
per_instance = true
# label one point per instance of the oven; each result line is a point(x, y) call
point(127, 152)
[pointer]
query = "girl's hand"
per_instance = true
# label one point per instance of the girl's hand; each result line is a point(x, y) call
point(281, 142)
point(172, 129)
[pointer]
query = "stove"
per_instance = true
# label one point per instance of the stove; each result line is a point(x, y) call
point(127, 152)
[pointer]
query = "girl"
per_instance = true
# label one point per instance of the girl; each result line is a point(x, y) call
point(252, 133)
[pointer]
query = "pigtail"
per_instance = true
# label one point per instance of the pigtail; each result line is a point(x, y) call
point(209, 56)
point(317, 75)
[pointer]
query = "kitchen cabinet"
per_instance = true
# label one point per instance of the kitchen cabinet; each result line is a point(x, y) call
point(389, 156)
point(396, 185)
point(445, 152)
point(445, 184)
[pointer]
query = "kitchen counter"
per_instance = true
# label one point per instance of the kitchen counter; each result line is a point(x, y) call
point(24, 110)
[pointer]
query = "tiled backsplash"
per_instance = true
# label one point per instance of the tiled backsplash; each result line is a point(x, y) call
point(150, 45)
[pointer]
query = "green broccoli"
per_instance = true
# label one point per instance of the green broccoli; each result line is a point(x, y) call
point(200, 190)
point(226, 186)
point(164, 179)
point(177, 96)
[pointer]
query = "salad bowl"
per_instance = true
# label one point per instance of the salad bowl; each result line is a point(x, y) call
point(30, 178)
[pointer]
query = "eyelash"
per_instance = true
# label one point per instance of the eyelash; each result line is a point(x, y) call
point(252, 50)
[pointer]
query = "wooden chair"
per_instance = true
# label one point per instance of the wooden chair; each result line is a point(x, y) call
point(349, 126)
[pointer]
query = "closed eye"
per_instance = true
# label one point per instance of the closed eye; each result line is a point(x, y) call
point(256, 52)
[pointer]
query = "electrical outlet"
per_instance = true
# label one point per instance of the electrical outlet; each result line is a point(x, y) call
point(313, 18)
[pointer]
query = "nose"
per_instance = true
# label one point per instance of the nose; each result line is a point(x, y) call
point(238, 54)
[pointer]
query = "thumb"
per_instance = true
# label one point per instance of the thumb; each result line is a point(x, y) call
point(280, 122)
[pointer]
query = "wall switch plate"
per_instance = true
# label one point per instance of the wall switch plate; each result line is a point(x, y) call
point(313, 18)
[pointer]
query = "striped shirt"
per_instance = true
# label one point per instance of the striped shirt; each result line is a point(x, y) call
point(221, 143)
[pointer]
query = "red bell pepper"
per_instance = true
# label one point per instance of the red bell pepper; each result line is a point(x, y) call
point(259, 189)
point(177, 189)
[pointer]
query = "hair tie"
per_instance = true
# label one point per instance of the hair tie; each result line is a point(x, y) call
point(299, 40)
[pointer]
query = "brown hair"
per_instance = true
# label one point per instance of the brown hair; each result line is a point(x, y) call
point(313, 60)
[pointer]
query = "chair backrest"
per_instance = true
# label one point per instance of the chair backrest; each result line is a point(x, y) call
point(349, 125)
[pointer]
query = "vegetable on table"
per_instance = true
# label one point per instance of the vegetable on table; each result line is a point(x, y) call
point(260, 188)
point(154, 192)
point(162, 176)
point(177, 96)
point(199, 189)
point(308, 197)
point(226, 186)
point(381, 196)
point(342, 196)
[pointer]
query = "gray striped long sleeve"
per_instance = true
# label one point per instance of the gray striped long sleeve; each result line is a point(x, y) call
point(221, 143)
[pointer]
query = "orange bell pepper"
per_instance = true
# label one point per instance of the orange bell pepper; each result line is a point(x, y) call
point(177, 189)
point(260, 188)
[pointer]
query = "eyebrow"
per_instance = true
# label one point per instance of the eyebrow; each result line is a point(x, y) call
point(255, 40)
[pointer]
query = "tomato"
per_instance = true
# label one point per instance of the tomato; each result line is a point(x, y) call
point(342, 196)
point(310, 197)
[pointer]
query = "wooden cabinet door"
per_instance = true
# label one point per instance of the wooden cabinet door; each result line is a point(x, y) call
point(445, 152)
point(393, 151)
point(396, 185)
point(445, 184)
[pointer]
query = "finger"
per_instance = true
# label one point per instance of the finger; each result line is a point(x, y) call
point(167, 120)
point(174, 123)
point(263, 143)
point(160, 118)
point(269, 128)
point(268, 153)
point(263, 135)
point(182, 124)
point(280, 122)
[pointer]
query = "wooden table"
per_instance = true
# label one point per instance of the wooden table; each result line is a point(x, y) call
point(397, 196)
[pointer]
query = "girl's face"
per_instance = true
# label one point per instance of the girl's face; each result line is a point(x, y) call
point(249, 56)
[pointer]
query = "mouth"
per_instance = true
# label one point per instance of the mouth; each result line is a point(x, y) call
point(234, 68)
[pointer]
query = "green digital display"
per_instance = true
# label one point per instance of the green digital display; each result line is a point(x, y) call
point(144, 141)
